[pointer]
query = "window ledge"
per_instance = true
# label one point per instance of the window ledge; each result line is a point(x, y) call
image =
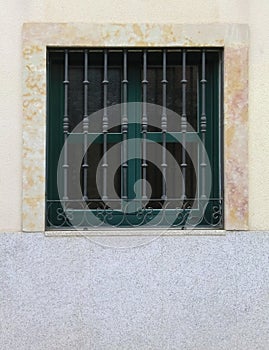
point(136, 232)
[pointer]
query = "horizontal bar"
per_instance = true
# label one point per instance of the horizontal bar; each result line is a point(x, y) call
point(173, 137)
point(209, 199)
point(120, 50)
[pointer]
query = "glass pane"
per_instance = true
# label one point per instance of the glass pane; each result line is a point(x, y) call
point(174, 189)
point(95, 93)
point(114, 98)
point(173, 96)
point(174, 179)
point(75, 96)
point(95, 97)
point(95, 176)
point(75, 155)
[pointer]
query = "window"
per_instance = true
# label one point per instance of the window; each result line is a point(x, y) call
point(134, 138)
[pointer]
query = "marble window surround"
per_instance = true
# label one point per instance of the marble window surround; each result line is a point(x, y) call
point(233, 37)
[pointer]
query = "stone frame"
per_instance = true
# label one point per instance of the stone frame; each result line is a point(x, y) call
point(232, 37)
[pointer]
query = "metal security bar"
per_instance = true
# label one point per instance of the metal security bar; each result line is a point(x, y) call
point(183, 124)
point(144, 126)
point(85, 165)
point(124, 127)
point(105, 126)
point(65, 125)
point(164, 127)
point(203, 124)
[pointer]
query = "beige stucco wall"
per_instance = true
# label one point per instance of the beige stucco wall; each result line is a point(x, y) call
point(15, 13)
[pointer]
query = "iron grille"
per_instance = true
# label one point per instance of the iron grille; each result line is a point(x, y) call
point(160, 110)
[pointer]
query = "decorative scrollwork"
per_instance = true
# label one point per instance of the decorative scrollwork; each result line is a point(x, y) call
point(174, 214)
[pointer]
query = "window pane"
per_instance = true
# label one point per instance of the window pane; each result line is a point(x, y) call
point(173, 96)
point(174, 178)
point(95, 96)
point(95, 176)
point(75, 96)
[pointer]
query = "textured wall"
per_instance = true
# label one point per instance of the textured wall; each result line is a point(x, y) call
point(206, 293)
point(258, 114)
point(16, 12)
point(183, 293)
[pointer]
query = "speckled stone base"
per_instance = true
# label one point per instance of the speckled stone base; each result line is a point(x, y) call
point(187, 293)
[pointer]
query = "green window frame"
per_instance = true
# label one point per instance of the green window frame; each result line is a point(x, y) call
point(83, 82)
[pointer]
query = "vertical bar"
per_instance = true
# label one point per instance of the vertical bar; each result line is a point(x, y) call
point(183, 124)
point(203, 125)
point(164, 128)
point(105, 125)
point(220, 112)
point(65, 124)
point(124, 127)
point(85, 127)
point(144, 126)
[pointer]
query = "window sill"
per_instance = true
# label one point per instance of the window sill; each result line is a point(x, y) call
point(136, 232)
